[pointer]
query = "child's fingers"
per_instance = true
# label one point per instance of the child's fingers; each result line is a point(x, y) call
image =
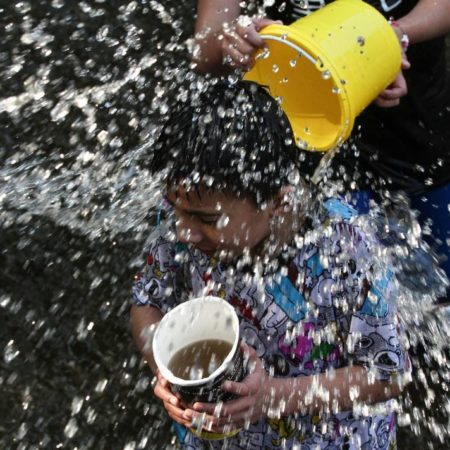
point(249, 352)
point(238, 420)
point(206, 421)
point(163, 392)
point(226, 409)
point(236, 388)
point(178, 415)
point(208, 408)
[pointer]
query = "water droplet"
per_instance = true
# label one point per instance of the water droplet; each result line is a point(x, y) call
point(57, 4)
point(101, 385)
point(361, 41)
point(275, 68)
point(293, 62)
point(60, 111)
point(23, 7)
point(27, 38)
point(264, 54)
point(4, 302)
point(221, 111)
point(207, 118)
point(71, 428)
point(335, 90)
point(326, 75)
point(10, 352)
point(223, 221)
point(22, 431)
point(103, 137)
point(77, 404)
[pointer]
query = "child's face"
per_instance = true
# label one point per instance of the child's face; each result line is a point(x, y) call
point(213, 222)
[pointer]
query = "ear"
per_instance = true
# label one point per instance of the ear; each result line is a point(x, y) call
point(281, 202)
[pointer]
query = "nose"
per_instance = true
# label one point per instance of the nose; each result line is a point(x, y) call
point(187, 233)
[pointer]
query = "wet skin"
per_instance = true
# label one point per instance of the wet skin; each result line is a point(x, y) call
point(218, 223)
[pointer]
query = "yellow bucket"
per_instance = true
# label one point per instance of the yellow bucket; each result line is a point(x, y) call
point(326, 68)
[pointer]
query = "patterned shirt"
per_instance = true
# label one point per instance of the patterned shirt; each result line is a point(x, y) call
point(327, 304)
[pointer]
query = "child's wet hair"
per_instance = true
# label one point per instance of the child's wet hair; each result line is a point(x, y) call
point(233, 137)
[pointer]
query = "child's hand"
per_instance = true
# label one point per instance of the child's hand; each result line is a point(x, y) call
point(173, 405)
point(254, 399)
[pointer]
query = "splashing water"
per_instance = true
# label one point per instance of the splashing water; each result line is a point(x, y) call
point(85, 87)
point(84, 84)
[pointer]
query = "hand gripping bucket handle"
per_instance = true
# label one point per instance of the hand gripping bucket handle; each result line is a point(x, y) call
point(326, 68)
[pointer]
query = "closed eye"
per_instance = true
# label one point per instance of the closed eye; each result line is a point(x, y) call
point(210, 221)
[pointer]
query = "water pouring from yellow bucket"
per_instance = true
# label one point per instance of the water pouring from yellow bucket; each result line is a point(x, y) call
point(326, 68)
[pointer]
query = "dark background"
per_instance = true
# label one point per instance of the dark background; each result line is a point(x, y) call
point(70, 376)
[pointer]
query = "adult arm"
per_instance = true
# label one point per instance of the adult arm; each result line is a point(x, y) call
point(429, 19)
point(211, 15)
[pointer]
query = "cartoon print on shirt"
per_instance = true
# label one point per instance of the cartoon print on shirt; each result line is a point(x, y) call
point(377, 343)
point(327, 432)
point(355, 434)
point(159, 265)
point(251, 337)
point(287, 296)
point(245, 301)
point(283, 428)
point(375, 303)
point(383, 433)
point(309, 267)
point(312, 357)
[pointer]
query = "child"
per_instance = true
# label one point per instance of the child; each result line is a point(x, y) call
point(316, 311)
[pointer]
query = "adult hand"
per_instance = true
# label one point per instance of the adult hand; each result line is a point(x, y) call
point(254, 398)
point(398, 88)
point(173, 405)
point(241, 40)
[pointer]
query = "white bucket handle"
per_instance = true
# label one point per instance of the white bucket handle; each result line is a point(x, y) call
point(269, 37)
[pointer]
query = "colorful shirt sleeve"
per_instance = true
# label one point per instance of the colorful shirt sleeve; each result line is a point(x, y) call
point(367, 288)
point(156, 284)
point(375, 337)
